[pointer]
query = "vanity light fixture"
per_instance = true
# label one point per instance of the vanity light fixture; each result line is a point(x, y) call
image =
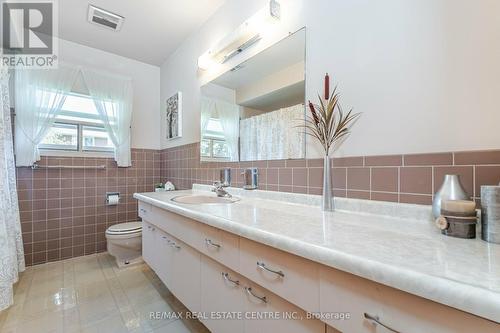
point(236, 68)
point(246, 35)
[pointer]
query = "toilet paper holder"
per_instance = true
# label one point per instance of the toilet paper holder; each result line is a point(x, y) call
point(109, 196)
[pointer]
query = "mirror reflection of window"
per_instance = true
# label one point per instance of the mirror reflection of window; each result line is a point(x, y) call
point(260, 106)
point(219, 130)
point(213, 144)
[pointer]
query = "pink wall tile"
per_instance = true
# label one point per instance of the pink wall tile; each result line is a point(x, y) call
point(63, 213)
point(428, 159)
point(385, 179)
point(358, 179)
point(416, 180)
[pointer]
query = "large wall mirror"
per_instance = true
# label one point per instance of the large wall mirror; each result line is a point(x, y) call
point(254, 111)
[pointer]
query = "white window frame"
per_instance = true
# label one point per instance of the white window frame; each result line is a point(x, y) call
point(46, 150)
point(211, 157)
point(213, 136)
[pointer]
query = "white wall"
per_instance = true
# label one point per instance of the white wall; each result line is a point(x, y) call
point(146, 83)
point(272, 82)
point(424, 73)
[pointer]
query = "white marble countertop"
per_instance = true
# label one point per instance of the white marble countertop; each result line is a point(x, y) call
point(401, 249)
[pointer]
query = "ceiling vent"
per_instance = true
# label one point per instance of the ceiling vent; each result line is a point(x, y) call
point(105, 18)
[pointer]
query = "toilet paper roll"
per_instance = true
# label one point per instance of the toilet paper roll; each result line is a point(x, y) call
point(113, 199)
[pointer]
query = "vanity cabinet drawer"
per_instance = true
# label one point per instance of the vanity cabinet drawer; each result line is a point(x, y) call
point(183, 228)
point(374, 307)
point(291, 277)
point(412, 314)
point(290, 318)
point(145, 210)
point(219, 245)
point(346, 298)
point(330, 329)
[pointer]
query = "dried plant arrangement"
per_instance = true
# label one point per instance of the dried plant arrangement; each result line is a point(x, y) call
point(327, 122)
point(330, 125)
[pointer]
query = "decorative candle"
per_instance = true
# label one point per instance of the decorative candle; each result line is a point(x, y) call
point(327, 86)
point(459, 206)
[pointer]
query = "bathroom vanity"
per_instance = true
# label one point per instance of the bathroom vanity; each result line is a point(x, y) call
point(276, 254)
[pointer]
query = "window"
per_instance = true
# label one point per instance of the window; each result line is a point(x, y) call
point(61, 137)
point(78, 127)
point(213, 144)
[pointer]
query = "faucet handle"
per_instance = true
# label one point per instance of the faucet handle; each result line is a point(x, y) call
point(217, 186)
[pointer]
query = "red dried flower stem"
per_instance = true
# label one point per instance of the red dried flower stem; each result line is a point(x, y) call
point(313, 112)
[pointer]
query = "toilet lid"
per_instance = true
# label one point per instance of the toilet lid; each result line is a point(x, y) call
point(125, 228)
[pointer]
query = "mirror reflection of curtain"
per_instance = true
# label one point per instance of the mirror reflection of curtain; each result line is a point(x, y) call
point(273, 135)
point(229, 117)
point(207, 106)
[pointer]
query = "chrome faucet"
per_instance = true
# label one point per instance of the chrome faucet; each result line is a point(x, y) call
point(220, 191)
point(250, 179)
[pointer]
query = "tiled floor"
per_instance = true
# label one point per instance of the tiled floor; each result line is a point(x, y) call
point(90, 294)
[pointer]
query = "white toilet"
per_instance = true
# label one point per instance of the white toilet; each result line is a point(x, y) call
point(125, 243)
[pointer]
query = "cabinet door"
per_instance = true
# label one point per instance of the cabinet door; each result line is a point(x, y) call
point(350, 297)
point(164, 255)
point(286, 317)
point(186, 274)
point(330, 329)
point(149, 245)
point(221, 292)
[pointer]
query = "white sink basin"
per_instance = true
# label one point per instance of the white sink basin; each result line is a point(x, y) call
point(203, 199)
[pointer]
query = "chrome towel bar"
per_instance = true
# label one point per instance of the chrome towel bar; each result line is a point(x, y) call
point(94, 167)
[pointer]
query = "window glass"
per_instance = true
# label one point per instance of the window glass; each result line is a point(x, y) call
point(220, 149)
point(61, 136)
point(79, 108)
point(78, 127)
point(205, 147)
point(96, 139)
point(213, 144)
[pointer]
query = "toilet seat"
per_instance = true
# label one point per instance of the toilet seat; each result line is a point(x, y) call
point(128, 228)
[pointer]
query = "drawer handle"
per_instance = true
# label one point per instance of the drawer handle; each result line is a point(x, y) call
point(209, 242)
point(249, 291)
point(175, 246)
point(165, 238)
point(143, 210)
point(376, 320)
point(228, 279)
point(261, 265)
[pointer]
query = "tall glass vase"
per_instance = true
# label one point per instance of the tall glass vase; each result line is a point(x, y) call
point(327, 203)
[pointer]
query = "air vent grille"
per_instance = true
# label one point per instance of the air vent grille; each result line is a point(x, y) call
point(105, 18)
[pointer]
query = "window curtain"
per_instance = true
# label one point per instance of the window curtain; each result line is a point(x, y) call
point(39, 97)
point(113, 100)
point(229, 117)
point(11, 243)
point(207, 107)
point(273, 135)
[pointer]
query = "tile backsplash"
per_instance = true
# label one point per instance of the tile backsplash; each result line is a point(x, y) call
point(411, 178)
point(63, 211)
